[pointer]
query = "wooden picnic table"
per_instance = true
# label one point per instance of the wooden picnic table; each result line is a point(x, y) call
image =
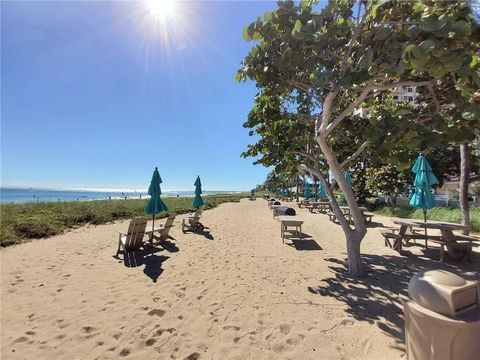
point(290, 221)
point(457, 245)
point(322, 206)
point(347, 213)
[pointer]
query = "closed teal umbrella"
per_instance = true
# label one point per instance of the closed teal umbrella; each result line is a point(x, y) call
point(321, 192)
point(155, 204)
point(307, 193)
point(198, 201)
point(252, 193)
point(348, 178)
point(424, 179)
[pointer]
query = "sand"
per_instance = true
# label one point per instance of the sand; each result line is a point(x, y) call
point(236, 292)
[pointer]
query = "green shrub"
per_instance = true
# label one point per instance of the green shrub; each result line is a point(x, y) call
point(438, 214)
point(19, 222)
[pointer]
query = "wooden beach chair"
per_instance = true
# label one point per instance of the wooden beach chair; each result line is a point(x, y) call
point(133, 238)
point(193, 222)
point(165, 229)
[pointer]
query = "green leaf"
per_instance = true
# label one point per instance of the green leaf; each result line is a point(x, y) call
point(407, 53)
point(297, 28)
point(246, 35)
point(462, 28)
point(468, 115)
point(419, 7)
point(402, 112)
point(304, 4)
point(432, 24)
point(267, 16)
point(436, 70)
point(419, 63)
point(382, 33)
point(413, 31)
point(453, 64)
point(417, 52)
point(427, 46)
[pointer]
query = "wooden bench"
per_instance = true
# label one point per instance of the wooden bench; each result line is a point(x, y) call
point(390, 234)
point(368, 217)
point(332, 217)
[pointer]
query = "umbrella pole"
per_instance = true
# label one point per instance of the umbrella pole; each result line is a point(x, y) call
point(153, 227)
point(425, 221)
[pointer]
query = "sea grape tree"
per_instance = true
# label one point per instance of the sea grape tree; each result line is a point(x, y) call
point(343, 56)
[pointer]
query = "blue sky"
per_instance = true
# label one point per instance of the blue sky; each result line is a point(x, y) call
point(96, 94)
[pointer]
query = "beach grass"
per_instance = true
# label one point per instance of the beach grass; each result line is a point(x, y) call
point(21, 222)
point(437, 214)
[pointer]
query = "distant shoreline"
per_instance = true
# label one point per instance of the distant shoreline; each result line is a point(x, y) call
point(36, 195)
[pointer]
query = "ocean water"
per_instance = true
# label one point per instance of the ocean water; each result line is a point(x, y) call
point(18, 195)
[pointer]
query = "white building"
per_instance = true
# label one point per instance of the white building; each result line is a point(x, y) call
point(405, 94)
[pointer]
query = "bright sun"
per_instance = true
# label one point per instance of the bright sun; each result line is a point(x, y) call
point(161, 9)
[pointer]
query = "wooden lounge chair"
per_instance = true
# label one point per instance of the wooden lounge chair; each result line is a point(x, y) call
point(193, 221)
point(165, 229)
point(133, 238)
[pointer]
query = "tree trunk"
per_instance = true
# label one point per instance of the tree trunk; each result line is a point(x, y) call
point(464, 174)
point(298, 187)
point(355, 265)
point(353, 237)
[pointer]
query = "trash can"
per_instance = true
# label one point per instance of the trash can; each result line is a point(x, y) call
point(442, 317)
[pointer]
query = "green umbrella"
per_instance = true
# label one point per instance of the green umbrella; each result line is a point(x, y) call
point(198, 201)
point(155, 204)
point(424, 179)
point(321, 192)
point(307, 193)
point(348, 178)
point(252, 193)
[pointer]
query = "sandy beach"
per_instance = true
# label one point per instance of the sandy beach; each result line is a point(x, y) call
point(235, 292)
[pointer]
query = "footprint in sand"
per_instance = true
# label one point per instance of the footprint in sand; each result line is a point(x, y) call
point(231, 327)
point(124, 352)
point(88, 329)
point(30, 333)
point(157, 312)
point(295, 339)
point(150, 342)
point(285, 329)
point(159, 332)
point(21, 339)
point(193, 356)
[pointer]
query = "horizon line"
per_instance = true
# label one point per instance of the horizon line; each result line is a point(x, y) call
point(131, 190)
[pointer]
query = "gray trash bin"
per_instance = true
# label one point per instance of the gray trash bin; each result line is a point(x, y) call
point(442, 317)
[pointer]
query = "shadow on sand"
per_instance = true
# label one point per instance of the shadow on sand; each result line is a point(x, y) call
point(305, 243)
point(375, 297)
point(203, 231)
point(148, 257)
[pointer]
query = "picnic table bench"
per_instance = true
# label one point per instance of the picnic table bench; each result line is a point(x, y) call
point(346, 211)
point(456, 246)
point(290, 224)
point(303, 202)
point(320, 206)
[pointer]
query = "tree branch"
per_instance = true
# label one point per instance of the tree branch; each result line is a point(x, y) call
point(348, 110)
point(354, 155)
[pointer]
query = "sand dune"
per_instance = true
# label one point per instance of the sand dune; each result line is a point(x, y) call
point(236, 292)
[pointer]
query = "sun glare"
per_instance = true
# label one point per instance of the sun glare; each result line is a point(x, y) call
point(161, 9)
